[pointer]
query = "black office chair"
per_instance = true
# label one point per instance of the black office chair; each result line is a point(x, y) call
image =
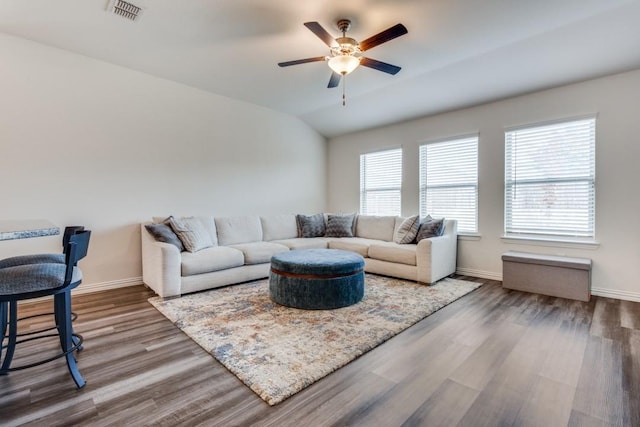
point(29, 281)
point(43, 258)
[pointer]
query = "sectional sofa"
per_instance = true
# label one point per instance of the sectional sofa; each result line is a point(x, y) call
point(240, 250)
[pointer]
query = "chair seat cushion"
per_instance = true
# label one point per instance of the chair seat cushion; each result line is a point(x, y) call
point(32, 259)
point(30, 278)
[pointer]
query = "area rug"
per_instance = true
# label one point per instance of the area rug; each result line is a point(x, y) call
point(277, 351)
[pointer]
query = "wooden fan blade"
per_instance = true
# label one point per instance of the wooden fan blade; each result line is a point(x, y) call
point(334, 81)
point(301, 61)
point(380, 66)
point(322, 34)
point(388, 34)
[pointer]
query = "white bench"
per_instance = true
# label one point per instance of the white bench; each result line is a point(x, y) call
point(552, 275)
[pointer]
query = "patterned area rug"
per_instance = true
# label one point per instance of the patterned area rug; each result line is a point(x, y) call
point(277, 351)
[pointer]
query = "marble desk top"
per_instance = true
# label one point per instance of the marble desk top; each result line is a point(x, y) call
point(24, 229)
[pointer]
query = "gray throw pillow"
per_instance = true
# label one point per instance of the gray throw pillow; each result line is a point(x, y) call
point(192, 233)
point(430, 227)
point(311, 225)
point(340, 225)
point(164, 233)
point(408, 230)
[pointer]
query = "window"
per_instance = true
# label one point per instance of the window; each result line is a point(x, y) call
point(381, 182)
point(550, 180)
point(449, 181)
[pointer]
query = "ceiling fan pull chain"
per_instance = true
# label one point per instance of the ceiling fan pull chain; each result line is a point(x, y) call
point(344, 98)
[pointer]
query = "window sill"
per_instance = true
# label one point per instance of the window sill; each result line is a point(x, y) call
point(551, 242)
point(469, 236)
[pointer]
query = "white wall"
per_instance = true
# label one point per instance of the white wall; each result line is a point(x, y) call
point(86, 142)
point(615, 99)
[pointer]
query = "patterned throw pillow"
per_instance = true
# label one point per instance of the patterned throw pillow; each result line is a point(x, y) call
point(408, 230)
point(430, 227)
point(164, 233)
point(340, 225)
point(311, 225)
point(192, 233)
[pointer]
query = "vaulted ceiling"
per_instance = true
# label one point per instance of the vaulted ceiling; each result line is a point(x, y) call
point(457, 53)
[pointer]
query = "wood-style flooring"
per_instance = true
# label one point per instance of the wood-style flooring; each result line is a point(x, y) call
point(493, 358)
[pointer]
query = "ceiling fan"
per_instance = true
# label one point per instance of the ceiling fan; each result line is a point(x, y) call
point(345, 53)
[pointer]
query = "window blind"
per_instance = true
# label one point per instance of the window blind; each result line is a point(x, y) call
point(449, 181)
point(381, 182)
point(550, 180)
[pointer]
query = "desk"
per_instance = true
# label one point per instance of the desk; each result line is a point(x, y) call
point(24, 229)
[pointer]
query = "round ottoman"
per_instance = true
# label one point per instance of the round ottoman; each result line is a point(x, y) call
point(317, 279)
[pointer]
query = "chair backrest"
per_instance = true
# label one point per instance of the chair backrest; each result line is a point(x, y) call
point(68, 232)
point(75, 250)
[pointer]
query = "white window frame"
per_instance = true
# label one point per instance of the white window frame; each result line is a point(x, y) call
point(579, 132)
point(442, 179)
point(381, 173)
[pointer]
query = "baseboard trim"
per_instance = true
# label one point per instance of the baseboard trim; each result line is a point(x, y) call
point(88, 288)
point(134, 281)
point(479, 273)
point(612, 293)
point(601, 292)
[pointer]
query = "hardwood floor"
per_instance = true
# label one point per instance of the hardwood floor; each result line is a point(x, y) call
point(493, 358)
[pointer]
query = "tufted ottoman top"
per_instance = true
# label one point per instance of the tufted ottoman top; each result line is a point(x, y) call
point(317, 262)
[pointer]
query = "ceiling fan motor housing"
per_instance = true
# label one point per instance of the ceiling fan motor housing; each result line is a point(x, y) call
point(346, 46)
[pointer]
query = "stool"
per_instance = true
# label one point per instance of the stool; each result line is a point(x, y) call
point(317, 279)
point(29, 281)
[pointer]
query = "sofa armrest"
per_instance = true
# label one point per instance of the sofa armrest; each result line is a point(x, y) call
point(160, 266)
point(436, 256)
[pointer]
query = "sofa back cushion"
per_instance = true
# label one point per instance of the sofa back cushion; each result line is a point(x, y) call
point(238, 229)
point(279, 227)
point(376, 227)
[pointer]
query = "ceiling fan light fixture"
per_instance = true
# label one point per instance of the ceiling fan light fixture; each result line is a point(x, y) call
point(344, 64)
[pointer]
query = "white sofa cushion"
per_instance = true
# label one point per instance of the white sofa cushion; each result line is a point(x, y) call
point(393, 252)
point(305, 243)
point(376, 227)
point(259, 252)
point(353, 244)
point(238, 229)
point(210, 259)
point(279, 227)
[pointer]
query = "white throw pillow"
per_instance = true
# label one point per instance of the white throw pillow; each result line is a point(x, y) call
point(192, 233)
point(408, 230)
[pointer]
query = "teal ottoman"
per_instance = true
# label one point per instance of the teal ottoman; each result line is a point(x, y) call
point(317, 279)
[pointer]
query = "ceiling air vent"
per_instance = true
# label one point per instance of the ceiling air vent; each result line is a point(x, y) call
point(125, 9)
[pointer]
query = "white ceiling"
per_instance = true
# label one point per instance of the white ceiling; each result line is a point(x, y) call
point(457, 53)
